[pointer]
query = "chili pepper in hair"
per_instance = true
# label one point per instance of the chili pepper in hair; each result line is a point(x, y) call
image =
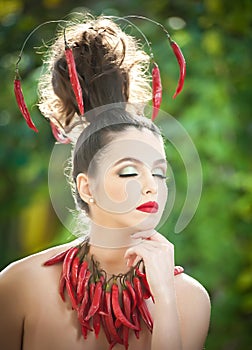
point(176, 49)
point(182, 66)
point(156, 91)
point(21, 103)
point(58, 135)
point(73, 75)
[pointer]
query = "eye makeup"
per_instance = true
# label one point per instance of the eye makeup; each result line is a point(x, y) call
point(159, 172)
point(128, 171)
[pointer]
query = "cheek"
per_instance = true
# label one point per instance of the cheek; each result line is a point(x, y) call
point(162, 193)
point(115, 191)
point(117, 195)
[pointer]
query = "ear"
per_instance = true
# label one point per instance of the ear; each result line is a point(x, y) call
point(83, 187)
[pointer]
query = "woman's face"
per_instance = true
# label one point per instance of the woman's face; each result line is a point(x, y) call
point(131, 172)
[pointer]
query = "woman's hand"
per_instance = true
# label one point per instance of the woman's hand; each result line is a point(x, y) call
point(158, 256)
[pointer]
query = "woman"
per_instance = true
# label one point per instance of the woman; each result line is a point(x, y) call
point(119, 287)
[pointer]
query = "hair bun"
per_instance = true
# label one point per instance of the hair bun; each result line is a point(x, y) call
point(111, 69)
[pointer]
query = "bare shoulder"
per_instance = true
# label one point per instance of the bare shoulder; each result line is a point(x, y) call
point(195, 309)
point(23, 285)
point(189, 287)
point(24, 270)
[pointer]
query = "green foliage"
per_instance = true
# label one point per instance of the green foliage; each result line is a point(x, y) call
point(215, 109)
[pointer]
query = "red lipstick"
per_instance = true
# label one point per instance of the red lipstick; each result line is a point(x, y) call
point(148, 207)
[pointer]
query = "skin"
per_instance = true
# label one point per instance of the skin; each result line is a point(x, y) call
point(33, 317)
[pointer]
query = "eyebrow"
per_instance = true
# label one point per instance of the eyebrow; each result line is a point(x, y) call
point(134, 160)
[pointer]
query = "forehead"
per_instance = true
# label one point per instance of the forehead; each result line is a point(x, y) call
point(142, 145)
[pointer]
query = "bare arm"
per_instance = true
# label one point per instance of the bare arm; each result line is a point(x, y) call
point(182, 308)
point(194, 309)
point(11, 316)
point(166, 328)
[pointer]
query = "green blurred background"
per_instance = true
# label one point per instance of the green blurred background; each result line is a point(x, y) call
point(215, 108)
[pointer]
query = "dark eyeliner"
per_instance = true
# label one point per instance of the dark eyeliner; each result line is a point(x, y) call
point(128, 175)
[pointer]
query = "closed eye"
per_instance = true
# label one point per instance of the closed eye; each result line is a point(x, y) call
point(159, 172)
point(160, 176)
point(128, 171)
point(128, 175)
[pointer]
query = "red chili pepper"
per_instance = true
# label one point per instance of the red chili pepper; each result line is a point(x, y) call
point(84, 332)
point(143, 278)
point(112, 345)
point(22, 105)
point(70, 292)
point(97, 324)
point(138, 290)
point(82, 310)
point(67, 263)
point(56, 258)
point(118, 323)
point(127, 311)
point(91, 290)
point(132, 292)
point(136, 320)
point(117, 308)
point(58, 135)
point(142, 307)
point(84, 295)
point(75, 271)
point(80, 283)
point(144, 311)
point(178, 270)
point(104, 316)
point(105, 328)
point(95, 301)
point(182, 66)
point(109, 320)
point(62, 286)
point(73, 75)
point(156, 91)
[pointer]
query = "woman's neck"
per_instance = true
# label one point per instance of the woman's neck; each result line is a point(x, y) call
point(108, 246)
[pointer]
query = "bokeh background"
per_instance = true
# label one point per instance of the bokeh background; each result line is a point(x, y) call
point(215, 108)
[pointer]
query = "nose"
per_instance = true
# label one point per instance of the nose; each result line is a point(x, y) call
point(149, 185)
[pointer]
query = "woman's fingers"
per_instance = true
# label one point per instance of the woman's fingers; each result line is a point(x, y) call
point(144, 234)
point(151, 235)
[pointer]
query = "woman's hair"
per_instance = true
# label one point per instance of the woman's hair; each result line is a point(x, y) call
point(110, 64)
point(113, 71)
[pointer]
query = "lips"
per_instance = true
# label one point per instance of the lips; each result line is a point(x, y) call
point(148, 207)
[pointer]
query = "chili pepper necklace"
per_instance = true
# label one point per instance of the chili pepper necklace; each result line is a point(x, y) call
point(117, 304)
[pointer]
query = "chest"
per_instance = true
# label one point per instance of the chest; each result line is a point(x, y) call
point(52, 324)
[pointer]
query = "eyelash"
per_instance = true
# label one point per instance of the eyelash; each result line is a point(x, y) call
point(135, 174)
